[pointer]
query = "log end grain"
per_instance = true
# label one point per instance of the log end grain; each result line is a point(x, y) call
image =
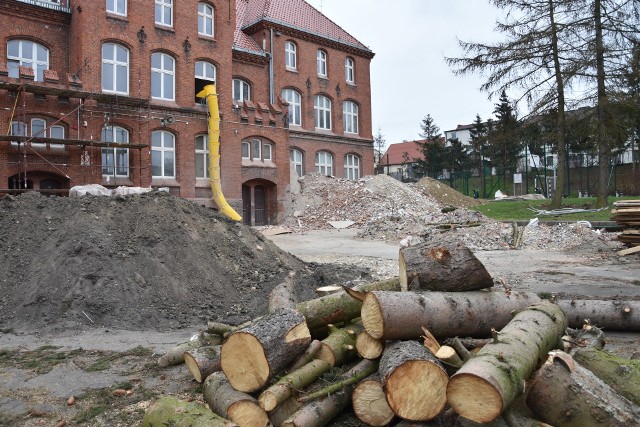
point(326, 354)
point(193, 367)
point(370, 403)
point(369, 347)
point(268, 399)
point(299, 332)
point(245, 365)
point(372, 318)
point(247, 413)
point(474, 398)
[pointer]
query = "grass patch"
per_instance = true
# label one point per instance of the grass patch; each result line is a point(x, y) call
point(636, 282)
point(545, 295)
point(89, 414)
point(41, 360)
point(6, 331)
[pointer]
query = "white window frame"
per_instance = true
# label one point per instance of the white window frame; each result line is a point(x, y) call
point(350, 117)
point(324, 163)
point(115, 65)
point(202, 155)
point(297, 160)
point(117, 7)
point(161, 9)
point(165, 145)
point(205, 66)
point(18, 128)
point(205, 20)
point(294, 98)
point(267, 152)
point(160, 75)
point(256, 150)
point(349, 70)
point(322, 112)
point(41, 124)
point(351, 167)
point(321, 62)
point(291, 55)
point(52, 130)
point(115, 160)
point(37, 64)
point(242, 91)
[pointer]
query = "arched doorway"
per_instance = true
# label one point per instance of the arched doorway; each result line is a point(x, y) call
point(45, 182)
point(259, 202)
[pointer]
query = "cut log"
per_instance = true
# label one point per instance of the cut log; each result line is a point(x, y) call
point(234, 405)
point(308, 355)
point(369, 347)
point(414, 381)
point(612, 315)
point(339, 308)
point(468, 343)
point(283, 412)
point(272, 397)
point(283, 295)
point(203, 361)
point(449, 356)
point(587, 337)
point(370, 403)
point(442, 267)
point(340, 346)
point(622, 375)
point(175, 355)
point(250, 357)
point(460, 349)
point(365, 368)
point(217, 328)
point(488, 383)
point(169, 411)
point(401, 315)
point(573, 396)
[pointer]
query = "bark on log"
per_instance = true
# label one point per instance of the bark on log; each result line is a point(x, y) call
point(468, 343)
point(369, 347)
point(275, 395)
point(217, 328)
point(488, 383)
point(250, 357)
point(587, 337)
point(203, 361)
point(340, 346)
point(365, 368)
point(622, 375)
point(370, 403)
point(175, 355)
point(414, 381)
point(401, 315)
point(609, 315)
point(283, 412)
point(339, 308)
point(460, 349)
point(308, 355)
point(573, 396)
point(442, 267)
point(229, 403)
point(449, 356)
point(283, 295)
point(178, 413)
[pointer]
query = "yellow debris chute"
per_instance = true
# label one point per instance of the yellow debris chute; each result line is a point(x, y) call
point(209, 93)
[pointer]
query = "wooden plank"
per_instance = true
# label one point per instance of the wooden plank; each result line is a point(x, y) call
point(629, 251)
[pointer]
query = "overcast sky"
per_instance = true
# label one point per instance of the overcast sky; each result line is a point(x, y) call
point(409, 77)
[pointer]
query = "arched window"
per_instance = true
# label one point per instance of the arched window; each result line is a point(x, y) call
point(322, 110)
point(115, 69)
point(38, 130)
point(205, 19)
point(202, 156)
point(350, 116)
point(164, 12)
point(294, 99)
point(18, 129)
point(321, 60)
point(349, 75)
point(257, 150)
point(290, 55)
point(351, 167)
point(27, 54)
point(324, 163)
point(162, 77)
point(205, 75)
point(115, 161)
point(297, 160)
point(163, 154)
point(241, 90)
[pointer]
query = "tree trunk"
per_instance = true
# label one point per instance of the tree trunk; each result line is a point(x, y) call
point(178, 413)
point(283, 412)
point(275, 395)
point(622, 375)
point(250, 357)
point(340, 346)
point(370, 403)
point(414, 381)
point(488, 383)
point(442, 267)
point(369, 347)
point(609, 315)
point(203, 361)
point(401, 315)
point(564, 394)
point(175, 355)
point(338, 308)
point(229, 403)
point(283, 295)
point(602, 139)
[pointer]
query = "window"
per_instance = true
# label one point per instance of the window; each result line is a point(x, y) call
point(290, 55)
point(163, 159)
point(119, 7)
point(350, 116)
point(18, 129)
point(162, 76)
point(324, 163)
point(205, 19)
point(205, 75)
point(296, 160)
point(322, 110)
point(115, 161)
point(351, 167)
point(257, 150)
point(202, 156)
point(295, 106)
point(348, 70)
point(241, 90)
point(321, 59)
point(27, 54)
point(115, 69)
point(38, 130)
point(56, 132)
point(164, 12)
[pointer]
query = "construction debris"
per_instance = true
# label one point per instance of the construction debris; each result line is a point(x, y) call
point(627, 214)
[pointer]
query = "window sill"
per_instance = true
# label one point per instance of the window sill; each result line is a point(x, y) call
point(258, 164)
point(164, 102)
point(323, 77)
point(352, 84)
point(292, 70)
point(203, 183)
point(207, 37)
point(164, 182)
point(117, 17)
point(109, 180)
point(166, 28)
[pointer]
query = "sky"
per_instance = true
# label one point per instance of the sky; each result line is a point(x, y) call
point(409, 76)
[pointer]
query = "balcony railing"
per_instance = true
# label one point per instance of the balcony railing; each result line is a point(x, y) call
point(59, 5)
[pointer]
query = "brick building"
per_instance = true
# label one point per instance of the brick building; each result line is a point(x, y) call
point(103, 91)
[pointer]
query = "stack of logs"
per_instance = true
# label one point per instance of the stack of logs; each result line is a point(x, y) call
point(392, 351)
point(627, 214)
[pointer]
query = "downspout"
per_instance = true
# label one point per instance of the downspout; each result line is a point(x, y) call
point(271, 84)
